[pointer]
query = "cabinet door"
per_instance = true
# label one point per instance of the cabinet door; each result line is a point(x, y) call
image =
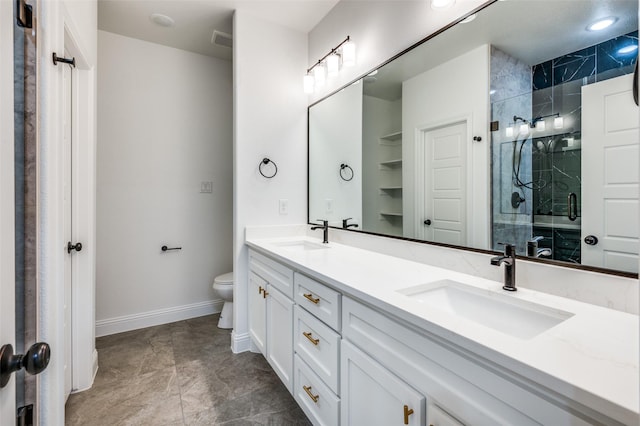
point(438, 417)
point(257, 312)
point(280, 335)
point(371, 395)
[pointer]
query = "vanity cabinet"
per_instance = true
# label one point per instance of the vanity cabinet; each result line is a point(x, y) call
point(371, 395)
point(271, 314)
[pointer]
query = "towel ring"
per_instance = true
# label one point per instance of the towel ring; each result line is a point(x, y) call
point(344, 166)
point(264, 162)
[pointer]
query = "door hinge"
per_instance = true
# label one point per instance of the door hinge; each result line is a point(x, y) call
point(25, 416)
point(24, 14)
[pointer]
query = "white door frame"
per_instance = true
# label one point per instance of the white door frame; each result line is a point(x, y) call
point(7, 213)
point(420, 169)
point(57, 30)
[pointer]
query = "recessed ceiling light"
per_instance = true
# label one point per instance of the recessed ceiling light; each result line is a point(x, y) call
point(162, 20)
point(601, 24)
point(441, 4)
point(468, 19)
point(627, 49)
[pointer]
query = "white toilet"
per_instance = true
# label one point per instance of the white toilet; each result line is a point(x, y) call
point(223, 286)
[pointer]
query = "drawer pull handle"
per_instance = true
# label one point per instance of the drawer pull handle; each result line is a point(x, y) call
point(407, 412)
point(260, 290)
point(307, 334)
point(313, 397)
point(311, 299)
point(264, 293)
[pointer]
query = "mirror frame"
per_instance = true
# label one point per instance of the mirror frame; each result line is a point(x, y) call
point(471, 249)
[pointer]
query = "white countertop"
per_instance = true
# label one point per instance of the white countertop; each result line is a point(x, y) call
point(591, 358)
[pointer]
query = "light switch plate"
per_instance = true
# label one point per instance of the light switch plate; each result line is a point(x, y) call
point(206, 187)
point(283, 206)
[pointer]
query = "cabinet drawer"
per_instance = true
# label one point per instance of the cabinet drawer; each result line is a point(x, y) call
point(273, 272)
point(318, 345)
point(318, 299)
point(317, 401)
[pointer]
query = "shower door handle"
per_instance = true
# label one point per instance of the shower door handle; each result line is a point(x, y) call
point(572, 206)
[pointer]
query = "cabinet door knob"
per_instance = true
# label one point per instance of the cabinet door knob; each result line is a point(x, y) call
point(264, 294)
point(308, 335)
point(407, 412)
point(313, 397)
point(311, 299)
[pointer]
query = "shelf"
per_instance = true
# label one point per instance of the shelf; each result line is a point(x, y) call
point(392, 137)
point(391, 214)
point(392, 163)
point(391, 188)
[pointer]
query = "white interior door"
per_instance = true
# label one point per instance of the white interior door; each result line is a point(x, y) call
point(610, 175)
point(67, 87)
point(443, 215)
point(7, 223)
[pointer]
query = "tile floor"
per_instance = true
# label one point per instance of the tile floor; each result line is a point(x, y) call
point(182, 373)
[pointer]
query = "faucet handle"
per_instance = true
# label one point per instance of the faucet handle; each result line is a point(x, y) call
point(509, 249)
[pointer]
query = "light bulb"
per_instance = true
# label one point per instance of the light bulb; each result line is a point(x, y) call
point(541, 125)
point(307, 82)
point(602, 24)
point(319, 75)
point(524, 129)
point(349, 54)
point(333, 62)
point(558, 123)
point(509, 131)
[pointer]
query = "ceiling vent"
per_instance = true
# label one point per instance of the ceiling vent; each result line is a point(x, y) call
point(222, 39)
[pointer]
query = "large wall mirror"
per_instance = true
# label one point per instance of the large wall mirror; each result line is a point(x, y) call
point(516, 125)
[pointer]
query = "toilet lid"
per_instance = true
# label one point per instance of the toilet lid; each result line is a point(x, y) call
point(224, 278)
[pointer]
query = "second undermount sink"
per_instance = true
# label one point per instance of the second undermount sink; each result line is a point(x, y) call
point(301, 245)
point(500, 312)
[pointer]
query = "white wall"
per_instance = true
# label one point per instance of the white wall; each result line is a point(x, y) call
point(164, 127)
point(380, 30)
point(270, 120)
point(428, 103)
point(335, 138)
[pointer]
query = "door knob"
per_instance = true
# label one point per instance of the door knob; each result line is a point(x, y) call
point(76, 247)
point(591, 240)
point(34, 361)
point(427, 222)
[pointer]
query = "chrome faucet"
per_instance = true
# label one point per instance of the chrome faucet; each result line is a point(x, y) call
point(509, 260)
point(347, 225)
point(325, 229)
point(534, 251)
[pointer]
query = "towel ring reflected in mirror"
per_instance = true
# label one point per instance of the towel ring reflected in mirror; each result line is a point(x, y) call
point(345, 174)
point(265, 161)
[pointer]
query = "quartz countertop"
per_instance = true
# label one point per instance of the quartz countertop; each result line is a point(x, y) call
point(591, 358)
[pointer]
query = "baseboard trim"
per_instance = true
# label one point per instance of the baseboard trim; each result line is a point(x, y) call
point(121, 324)
point(240, 342)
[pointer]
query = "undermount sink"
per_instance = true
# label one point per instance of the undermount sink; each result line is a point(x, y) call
point(301, 245)
point(500, 312)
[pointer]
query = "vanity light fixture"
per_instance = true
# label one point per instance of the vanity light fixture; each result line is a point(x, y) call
point(601, 24)
point(329, 64)
point(541, 125)
point(524, 129)
point(441, 4)
point(508, 132)
point(558, 123)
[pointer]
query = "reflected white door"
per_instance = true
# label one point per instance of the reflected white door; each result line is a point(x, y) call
point(68, 263)
point(610, 175)
point(443, 214)
point(7, 223)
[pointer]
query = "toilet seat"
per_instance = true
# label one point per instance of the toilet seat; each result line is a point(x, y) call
point(224, 279)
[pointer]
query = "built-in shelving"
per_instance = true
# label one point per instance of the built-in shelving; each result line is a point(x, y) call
point(392, 163)
point(390, 181)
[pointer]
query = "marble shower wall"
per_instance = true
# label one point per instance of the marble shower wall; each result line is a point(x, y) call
point(510, 95)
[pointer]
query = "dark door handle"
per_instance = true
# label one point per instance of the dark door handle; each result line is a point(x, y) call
point(34, 361)
point(572, 206)
point(591, 240)
point(76, 247)
point(427, 222)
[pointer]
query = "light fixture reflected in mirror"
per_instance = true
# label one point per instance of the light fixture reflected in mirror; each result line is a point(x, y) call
point(524, 129)
point(508, 132)
point(558, 123)
point(540, 125)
